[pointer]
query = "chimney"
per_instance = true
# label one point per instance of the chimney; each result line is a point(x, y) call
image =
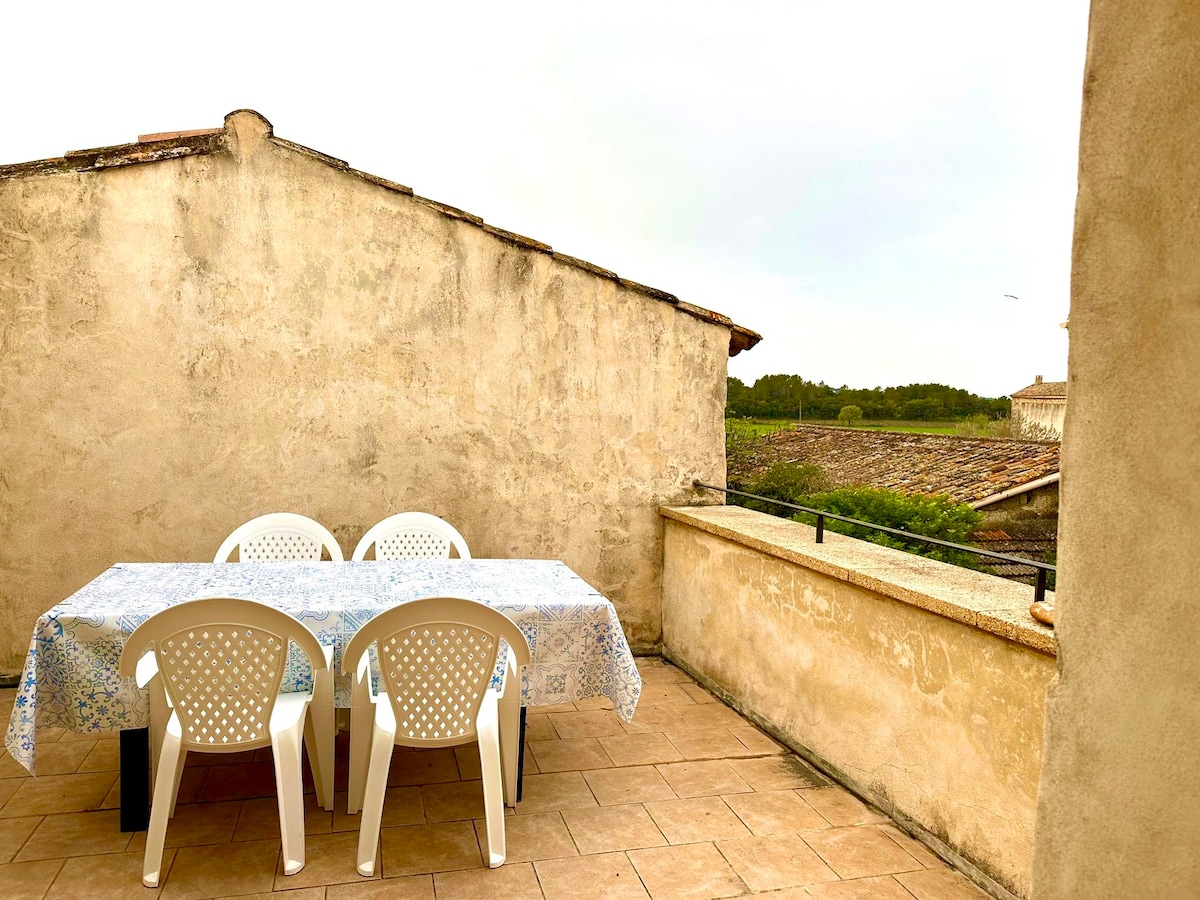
point(1037, 379)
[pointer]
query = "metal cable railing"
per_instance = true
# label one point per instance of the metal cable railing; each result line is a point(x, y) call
point(1039, 589)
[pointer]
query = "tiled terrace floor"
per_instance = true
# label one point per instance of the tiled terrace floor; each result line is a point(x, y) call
point(689, 801)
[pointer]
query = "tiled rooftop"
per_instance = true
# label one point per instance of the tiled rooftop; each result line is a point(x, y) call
point(967, 469)
point(688, 801)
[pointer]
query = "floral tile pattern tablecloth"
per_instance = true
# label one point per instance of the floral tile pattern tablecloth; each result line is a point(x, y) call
point(70, 679)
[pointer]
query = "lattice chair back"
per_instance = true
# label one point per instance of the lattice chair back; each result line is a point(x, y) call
point(412, 535)
point(436, 660)
point(280, 537)
point(221, 661)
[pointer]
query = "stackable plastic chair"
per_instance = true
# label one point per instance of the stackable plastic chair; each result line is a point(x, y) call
point(215, 667)
point(280, 537)
point(436, 661)
point(412, 535)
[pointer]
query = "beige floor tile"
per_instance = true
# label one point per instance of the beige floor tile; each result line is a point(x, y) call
point(883, 887)
point(708, 778)
point(692, 821)
point(857, 851)
point(594, 703)
point(8, 787)
point(569, 755)
point(775, 773)
point(775, 862)
point(606, 829)
point(257, 820)
point(939, 884)
point(607, 875)
point(58, 794)
point(710, 715)
point(538, 728)
point(708, 743)
point(422, 849)
point(239, 781)
point(87, 736)
point(105, 756)
point(687, 872)
point(423, 767)
point(775, 812)
point(640, 749)
point(633, 784)
point(662, 673)
point(757, 741)
point(222, 870)
point(328, 859)
point(117, 876)
point(589, 723)
point(664, 694)
point(840, 807)
point(914, 848)
point(650, 719)
point(408, 887)
point(454, 801)
point(697, 693)
point(512, 881)
point(312, 893)
point(401, 806)
point(530, 838)
point(13, 833)
point(467, 757)
point(61, 758)
point(75, 834)
point(557, 791)
point(10, 768)
point(550, 708)
point(28, 880)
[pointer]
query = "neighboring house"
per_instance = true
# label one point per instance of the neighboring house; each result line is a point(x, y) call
point(1013, 484)
point(205, 326)
point(1041, 406)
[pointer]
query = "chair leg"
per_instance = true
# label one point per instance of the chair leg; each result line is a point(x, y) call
point(487, 726)
point(382, 743)
point(320, 732)
point(362, 719)
point(510, 735)
point(286, 748)
point(170, 761)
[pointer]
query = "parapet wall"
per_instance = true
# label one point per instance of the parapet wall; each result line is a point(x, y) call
point(919, 685)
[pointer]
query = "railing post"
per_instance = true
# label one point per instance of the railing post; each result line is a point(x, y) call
point(820, 529)
point(1039, 592)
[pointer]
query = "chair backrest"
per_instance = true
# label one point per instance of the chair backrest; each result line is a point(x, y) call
point(436, 658)
point(280, 537)
point(221, 660)
point(412, 535)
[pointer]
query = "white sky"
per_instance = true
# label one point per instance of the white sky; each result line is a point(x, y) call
point(860, 182)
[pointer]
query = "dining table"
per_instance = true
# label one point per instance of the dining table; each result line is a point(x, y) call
point(71, 675)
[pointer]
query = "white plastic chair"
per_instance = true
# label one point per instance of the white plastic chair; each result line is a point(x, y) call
point(215, 666)
point(436, 661)
point(280, 537)
point(412, 535)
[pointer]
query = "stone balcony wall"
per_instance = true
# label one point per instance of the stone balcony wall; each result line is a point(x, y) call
point(920, 686)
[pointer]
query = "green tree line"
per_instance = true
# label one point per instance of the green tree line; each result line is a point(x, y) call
point(783, 396)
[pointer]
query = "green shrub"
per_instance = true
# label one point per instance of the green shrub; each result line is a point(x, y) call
point(789, 482)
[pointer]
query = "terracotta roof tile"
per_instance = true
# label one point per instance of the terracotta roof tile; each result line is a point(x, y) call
point(1042, 390)
point(968, 469)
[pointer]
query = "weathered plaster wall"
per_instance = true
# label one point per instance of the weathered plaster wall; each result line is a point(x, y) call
point(935, 720)
point(1120, 798)
point(190, 343)
point(1046, 414)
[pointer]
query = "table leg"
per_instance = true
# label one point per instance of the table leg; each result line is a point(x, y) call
point(521, 756)
point(135, 779)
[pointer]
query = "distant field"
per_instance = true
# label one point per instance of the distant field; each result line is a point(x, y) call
point(759, 427)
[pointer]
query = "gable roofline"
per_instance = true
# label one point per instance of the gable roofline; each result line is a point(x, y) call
point(175, 145)
point(1042, 390)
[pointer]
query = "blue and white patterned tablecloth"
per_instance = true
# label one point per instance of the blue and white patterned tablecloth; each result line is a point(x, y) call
point(71, 681)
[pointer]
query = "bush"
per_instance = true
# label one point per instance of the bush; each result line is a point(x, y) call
point(935, 516)
point(850, 415)
point(788, 482)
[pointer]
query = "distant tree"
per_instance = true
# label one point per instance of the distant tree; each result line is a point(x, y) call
point(850, 415)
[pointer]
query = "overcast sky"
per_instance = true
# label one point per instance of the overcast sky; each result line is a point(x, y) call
point(860, 182)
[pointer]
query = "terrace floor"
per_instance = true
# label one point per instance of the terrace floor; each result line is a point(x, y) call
point(688, 801)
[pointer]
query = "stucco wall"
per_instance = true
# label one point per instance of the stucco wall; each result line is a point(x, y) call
point(839, 648)
point(1047, 414)
point(192, 342)
point(1120, 801)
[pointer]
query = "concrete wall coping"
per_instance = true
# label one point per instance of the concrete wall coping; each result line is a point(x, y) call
point(986, 602)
